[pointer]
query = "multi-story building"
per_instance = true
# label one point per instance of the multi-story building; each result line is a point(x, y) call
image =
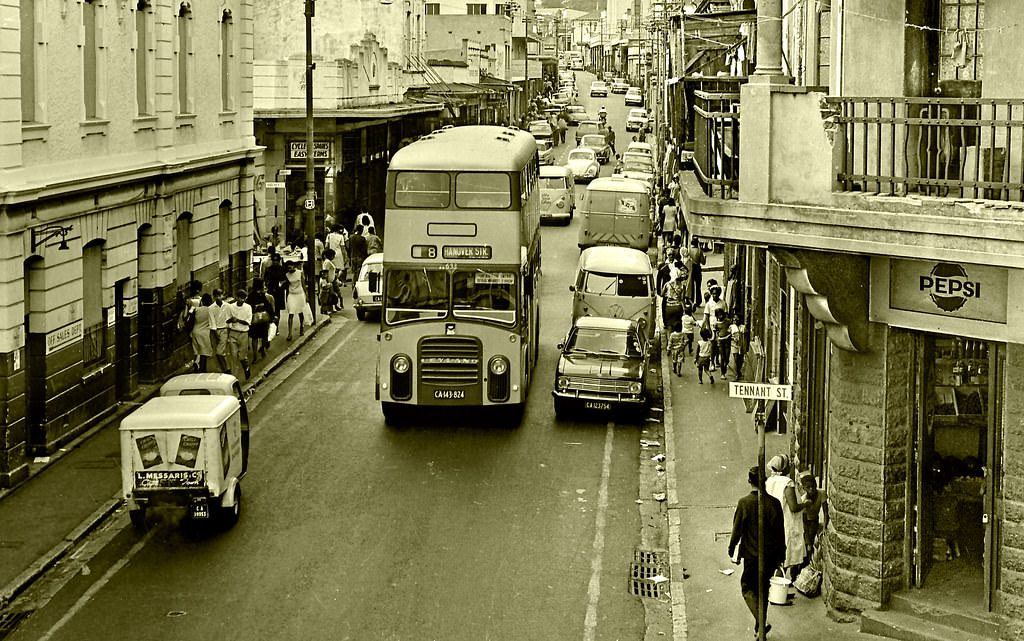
point(873, 215)
point(127, 163)
point(367, 54)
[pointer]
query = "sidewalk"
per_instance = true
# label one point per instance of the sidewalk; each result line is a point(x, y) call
point(68, 494)
point(710, 444)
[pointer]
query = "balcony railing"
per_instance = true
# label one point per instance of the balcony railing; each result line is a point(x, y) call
point(716, 141)
point(947, 147)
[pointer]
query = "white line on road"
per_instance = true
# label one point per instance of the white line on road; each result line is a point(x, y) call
point(594, 589)
point(96, 587)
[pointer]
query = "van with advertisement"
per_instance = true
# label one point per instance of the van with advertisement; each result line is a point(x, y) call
point(557, 194)
point(616, 211)
point(615, 282)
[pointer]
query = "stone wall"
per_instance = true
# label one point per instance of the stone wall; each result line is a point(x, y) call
point(1011, 557)
point(868, 434)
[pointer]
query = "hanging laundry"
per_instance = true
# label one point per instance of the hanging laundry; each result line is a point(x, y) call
point(961, 42)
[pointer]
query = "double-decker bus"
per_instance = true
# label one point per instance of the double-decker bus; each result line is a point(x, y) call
point(460, 312)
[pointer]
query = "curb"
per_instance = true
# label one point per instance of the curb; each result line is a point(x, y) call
point(52, 556)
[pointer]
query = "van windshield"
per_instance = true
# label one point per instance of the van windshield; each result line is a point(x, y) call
point(617, 284)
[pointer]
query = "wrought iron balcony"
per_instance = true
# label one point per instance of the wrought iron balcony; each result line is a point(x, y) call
point(948, 147)
point(715, 133)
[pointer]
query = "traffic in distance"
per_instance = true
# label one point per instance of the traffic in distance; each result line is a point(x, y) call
point(457, 289)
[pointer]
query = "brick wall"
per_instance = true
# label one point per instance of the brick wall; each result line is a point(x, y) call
point(868, 435)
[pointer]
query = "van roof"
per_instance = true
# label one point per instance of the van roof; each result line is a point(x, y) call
point(615, 260)
point(613, 183)
point(212, 381)
point(181, 412)
point(553, 171)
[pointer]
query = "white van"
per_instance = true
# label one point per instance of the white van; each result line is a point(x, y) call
point(557, 194)
point(615, 282)
point(616, 211)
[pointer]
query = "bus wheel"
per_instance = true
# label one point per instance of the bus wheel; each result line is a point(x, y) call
point(393, 414)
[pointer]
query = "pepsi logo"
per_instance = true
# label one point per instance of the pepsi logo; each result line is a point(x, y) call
point(949, 287)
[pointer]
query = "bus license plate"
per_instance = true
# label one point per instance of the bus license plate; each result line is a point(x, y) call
point(450, 394)
point(597, 405)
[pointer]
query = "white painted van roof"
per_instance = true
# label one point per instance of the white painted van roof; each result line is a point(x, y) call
point(181, 412)
point(615, 260)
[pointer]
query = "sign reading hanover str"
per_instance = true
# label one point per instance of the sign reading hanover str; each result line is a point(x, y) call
point(764, 391)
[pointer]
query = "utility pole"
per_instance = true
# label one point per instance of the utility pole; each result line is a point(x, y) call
point(309, 206)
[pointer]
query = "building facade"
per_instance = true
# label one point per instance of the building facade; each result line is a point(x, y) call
point(873, 235)
point(127, 169)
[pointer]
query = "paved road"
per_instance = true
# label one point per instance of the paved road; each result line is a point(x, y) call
point(350, 530)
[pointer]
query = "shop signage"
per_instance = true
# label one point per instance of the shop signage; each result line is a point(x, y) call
point(321, 150)
point(976, 292)
point(66, 335)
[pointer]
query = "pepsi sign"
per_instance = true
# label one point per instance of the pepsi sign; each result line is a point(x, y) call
point(946, 288)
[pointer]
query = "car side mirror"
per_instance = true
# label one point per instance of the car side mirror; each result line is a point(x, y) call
point(560, 346)
point(572, 288)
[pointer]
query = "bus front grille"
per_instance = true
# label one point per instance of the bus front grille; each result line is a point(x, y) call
point(449, 360)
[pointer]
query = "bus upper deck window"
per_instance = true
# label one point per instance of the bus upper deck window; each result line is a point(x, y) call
point(427, 189)
point(483, 190)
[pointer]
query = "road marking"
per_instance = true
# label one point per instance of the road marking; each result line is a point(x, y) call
point(316, 368)
point(99, 585)
point(594, 589)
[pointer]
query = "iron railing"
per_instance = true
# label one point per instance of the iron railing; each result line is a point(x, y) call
point(716, 141)
point(947, 147)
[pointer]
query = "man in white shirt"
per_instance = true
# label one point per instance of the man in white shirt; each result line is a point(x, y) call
point(238, 321)
point(219, 313)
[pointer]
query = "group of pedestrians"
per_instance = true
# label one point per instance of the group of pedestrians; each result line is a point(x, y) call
point(794, 516)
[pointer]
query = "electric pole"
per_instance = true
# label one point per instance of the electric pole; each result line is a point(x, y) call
point(309, 206)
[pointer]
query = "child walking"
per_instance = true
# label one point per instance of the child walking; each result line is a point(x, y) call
point(676, 349)
point(688, 324)
point(703, 360)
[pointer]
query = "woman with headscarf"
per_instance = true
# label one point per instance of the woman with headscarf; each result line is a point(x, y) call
point(782, 487)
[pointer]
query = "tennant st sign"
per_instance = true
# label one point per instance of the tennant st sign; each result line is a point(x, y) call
point(762, 391)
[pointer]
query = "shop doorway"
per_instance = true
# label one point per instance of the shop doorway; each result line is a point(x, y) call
point(954, 490)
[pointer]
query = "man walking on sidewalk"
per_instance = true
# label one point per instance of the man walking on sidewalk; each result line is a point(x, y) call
point(744, 535)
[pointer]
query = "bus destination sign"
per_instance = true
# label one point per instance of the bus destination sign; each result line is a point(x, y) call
point(460, 252)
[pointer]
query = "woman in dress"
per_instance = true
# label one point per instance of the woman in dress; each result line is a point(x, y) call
point(295, 297)
point(263, 313)
point(201, 341)
point(782, 487)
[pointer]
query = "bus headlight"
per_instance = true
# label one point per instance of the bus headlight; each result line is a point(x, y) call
point(499, 365)
point(636, 387)
point(401, 364)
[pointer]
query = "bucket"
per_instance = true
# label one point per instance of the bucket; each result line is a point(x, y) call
point(778, 591)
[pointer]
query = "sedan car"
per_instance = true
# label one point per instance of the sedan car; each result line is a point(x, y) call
point(577, 114)
point(546, 151)
point(636, 120)
point(598, 88)
point(562, 98)
point(644, 148)
point(600, 145)
point(588, 127)
point(540, 129)
point(367, 286)
point(634, 96)
point(619, 85)
point(602, 366)
point(583, 164)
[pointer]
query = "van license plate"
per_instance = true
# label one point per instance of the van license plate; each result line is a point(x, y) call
point(597, 405)
point(200, 510)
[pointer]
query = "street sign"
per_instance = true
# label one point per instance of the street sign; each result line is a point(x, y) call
point(274, 185)
point(763, 391)
point(309, 203)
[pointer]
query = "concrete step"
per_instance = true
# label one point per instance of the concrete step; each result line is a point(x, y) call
point(983, 624)
point(909, 627)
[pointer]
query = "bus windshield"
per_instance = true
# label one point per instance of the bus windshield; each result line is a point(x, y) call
point(414, 294)
point(485, 295)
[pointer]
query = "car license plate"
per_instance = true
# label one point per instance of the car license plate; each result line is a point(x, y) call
point(376, 298)
point(597, 405)
point(200, 510)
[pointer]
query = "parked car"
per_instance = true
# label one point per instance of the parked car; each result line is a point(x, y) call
point(577, 114)
point(602, 365)
point(637, 167)
point(619, 85)
point(366, 289)
point(598, 88)
point(600, 145)
point(634, 96)
point(583, 163)
point(588, 127)
point(637, 147)
point(562, 98)
point(546, 151)
point(636, 120)
point(570, 88)
point(567, 77)
point(540, 129)
point(557, 194)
